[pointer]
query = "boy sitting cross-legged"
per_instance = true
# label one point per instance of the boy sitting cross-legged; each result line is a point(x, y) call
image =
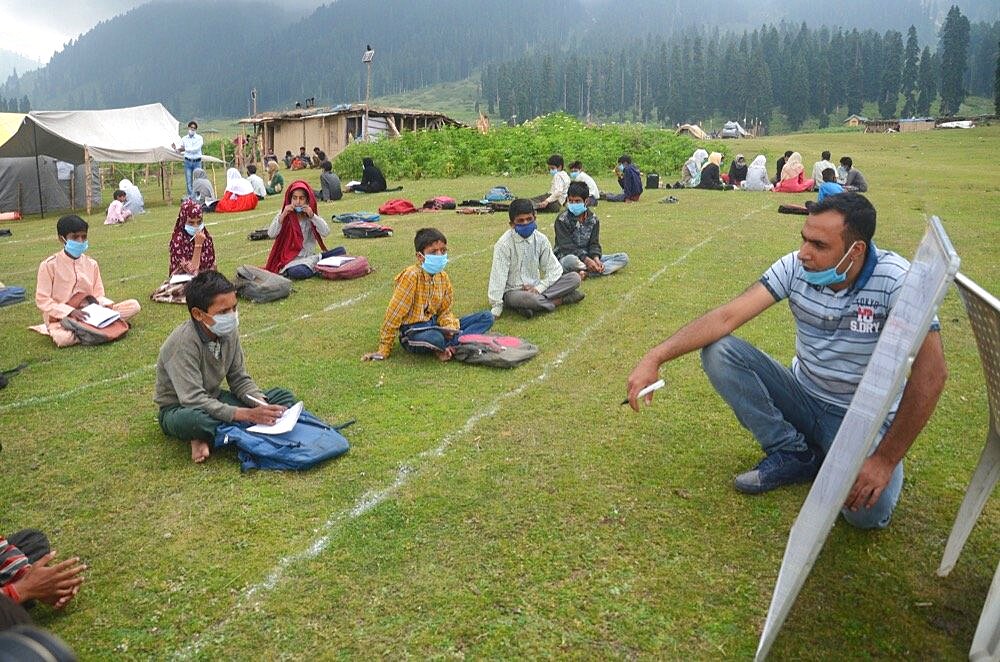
point(420, 308)
point(526, 275)
point(578, 238)
point(194, 360)
point(67, 273)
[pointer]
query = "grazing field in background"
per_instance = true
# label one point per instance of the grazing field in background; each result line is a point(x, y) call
point(489, 513)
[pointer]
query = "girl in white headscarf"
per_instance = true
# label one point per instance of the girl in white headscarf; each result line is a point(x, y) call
point(757, 175)
point(239, 195)
point(133, 197)
point(691, 172)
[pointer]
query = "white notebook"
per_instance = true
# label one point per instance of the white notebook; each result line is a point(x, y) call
point(100, 316)
point(335, 260)
point(180, 278)
point(284, 424)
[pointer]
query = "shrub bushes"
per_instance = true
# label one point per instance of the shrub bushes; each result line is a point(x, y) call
point(521, 150)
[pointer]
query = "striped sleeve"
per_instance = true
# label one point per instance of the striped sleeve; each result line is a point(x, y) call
point(13, 562)
point(778, 278)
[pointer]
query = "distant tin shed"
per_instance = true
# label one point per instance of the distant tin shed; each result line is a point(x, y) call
point(333, 128)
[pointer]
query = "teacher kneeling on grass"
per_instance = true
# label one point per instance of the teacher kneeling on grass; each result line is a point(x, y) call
point(840, 289)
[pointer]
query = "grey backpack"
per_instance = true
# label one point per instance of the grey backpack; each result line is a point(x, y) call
point(260, 285)
point(493, 350)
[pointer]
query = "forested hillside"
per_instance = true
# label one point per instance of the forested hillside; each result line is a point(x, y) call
point(662, 60)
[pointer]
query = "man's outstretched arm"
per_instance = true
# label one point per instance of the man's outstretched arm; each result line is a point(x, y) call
point(705, 330)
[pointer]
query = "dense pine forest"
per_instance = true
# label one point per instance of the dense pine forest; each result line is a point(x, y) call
point(649, 60)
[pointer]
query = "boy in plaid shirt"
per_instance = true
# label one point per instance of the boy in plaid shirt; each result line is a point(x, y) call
point(420, 308)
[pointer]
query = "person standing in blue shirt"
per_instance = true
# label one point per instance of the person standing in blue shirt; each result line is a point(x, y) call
point(841, 290)
point(190, 148)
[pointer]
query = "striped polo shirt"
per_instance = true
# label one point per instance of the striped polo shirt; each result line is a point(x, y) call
point(836, 332)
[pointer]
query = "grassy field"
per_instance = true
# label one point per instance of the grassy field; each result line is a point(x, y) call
point(493, 513)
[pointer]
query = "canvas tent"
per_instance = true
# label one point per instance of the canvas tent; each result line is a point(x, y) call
point(692, 130)
point(141, 134)
point(734, 130)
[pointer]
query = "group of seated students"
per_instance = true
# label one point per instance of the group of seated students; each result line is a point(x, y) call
point(703, 170)
point(627, 174)
point(527, 276)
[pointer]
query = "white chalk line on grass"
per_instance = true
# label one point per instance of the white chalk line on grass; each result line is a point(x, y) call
point(160, 233)
point(371, 499)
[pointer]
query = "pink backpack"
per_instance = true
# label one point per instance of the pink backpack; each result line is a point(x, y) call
point(354, 268)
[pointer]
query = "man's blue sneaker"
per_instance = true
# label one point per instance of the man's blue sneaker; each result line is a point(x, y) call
point(778, 469)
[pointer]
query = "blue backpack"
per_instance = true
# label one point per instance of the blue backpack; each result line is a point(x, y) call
point(310, 442)
point(358, 217)
point(10, 295)
point(499, 194)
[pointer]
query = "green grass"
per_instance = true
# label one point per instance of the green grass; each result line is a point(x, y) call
point(553, 522)
point(456, 99)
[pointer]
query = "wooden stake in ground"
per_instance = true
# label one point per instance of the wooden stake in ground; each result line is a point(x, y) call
point(86, 178)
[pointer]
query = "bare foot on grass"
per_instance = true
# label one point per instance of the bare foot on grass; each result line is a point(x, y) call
point(446, 354)
point(199, 451)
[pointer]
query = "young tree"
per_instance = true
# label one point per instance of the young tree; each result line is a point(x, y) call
point(954, 60)
point(911, 72)
point(928, 82)
point(996, 84)
point(892, 65)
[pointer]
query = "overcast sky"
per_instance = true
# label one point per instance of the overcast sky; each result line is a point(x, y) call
point(39, 28)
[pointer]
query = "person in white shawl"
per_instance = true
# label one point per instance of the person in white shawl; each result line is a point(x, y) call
point(133, 197)
point(691, 170)
point(239, 195)
point(757, 176)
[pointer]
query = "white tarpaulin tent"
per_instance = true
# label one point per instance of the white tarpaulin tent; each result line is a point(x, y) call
point(140, 134)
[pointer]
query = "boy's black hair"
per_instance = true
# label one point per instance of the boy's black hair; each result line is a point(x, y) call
point(829, 175)
point(69, 224)
point(555, 160)
point(825, 155)
point(302, 149)
point(788, 153)
point(859, 215)
point(520, 206)
point(578, 190)
point(427, 236)
point(288, 152)
point(193, 124)
point(117, 193)
point(625, 158)
point(847, 162)
point(576, 165)
point(251, 169)
point(203, 288)
point(326, 166)
point(315, 149)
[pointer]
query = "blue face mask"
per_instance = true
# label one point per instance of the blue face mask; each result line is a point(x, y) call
point(225, 323)
point(576, 208)
point(553, 171)
point(828, 276)
point(526, 230)
point(574, 174)
point(193, 230)
point(434, 264)
point(621, 167)
point(76, 248)
point(298, 210)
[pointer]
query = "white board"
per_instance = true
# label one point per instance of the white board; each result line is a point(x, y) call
point(924, 286)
